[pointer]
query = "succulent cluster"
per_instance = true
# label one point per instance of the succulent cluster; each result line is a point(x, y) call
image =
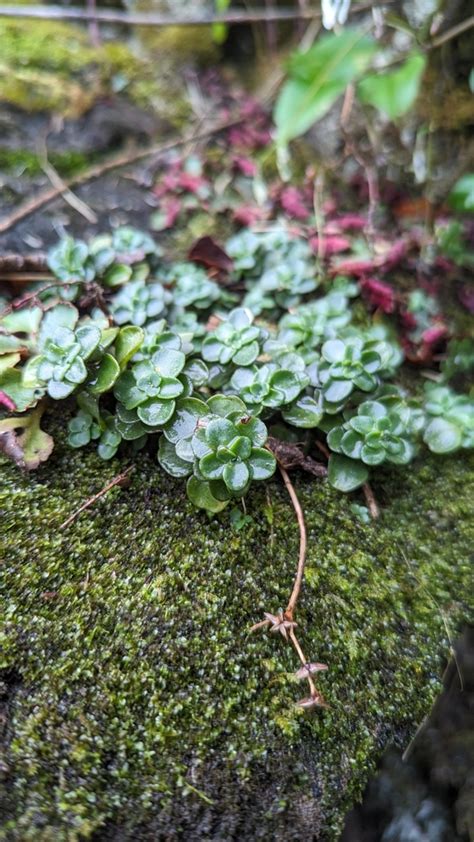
point(167, 358)
point(277, 269)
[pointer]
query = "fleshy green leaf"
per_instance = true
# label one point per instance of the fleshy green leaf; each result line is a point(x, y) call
point(105, 376)
point(442, 436)
point(304, 412)
point(262, 463)
point(236, 476)
point(346, 474)
point(127, 344)
point(170, 461)
point(201, 496)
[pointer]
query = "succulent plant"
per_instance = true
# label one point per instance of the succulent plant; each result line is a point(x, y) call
point(347, 365)
point(137, 303)
point(152, 386)
point(267, 385)
point(450, 420)
point(70, 261)
point(316, 321)
point(235, 340)
point(82, 429)
point(191, 286)
point(229, 450)
point(61, 365)
point(374, 435)
point(312, 369)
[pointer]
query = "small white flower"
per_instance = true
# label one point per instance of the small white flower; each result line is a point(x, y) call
point(334, 12)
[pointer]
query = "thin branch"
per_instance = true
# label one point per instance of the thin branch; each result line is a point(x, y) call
point(371, 501)
point(303, 659)
point(115, 162)
point(151, 19)
point(33, 296)
point(118, 480)
point(67, 194)
point(290, 608)
point(451, 33)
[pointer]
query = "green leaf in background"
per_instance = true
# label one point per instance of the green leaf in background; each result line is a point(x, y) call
point(395, 92)
point(461, 197)
point(317, 78)
point(220, 30)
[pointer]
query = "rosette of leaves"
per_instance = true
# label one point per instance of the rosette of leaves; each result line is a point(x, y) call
point(191, 286)
point(267, 386)
point(138, 302)
point(219, 445)
point(311, 323)
point(243, 248)
point(230, 454)
point(70, 261)
point(236, 340)
point(153, 385)
point(347, 365)
point(450, 420)
point(376, 434)
point(61, 366)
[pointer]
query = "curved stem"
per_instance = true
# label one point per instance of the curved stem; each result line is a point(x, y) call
point(290, 608)
point(301, 656)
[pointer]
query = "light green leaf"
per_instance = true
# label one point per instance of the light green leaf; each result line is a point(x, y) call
point(394, 92)
point(442, 436)
point(170, 461)
point(105, 376)
point(461, 197)
point(201, 496)
point(317, 78)
point(346, 474)
point(305, 413)
point(127, 343)
point(236, 476)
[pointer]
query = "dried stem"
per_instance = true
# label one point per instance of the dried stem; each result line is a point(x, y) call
point(371, 501)
point(290, 608)
point(115, 162)
point(102, 15)
point(304, 661)
point(118, 480)
point(30, 297)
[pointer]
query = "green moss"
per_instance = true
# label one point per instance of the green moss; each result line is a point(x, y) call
point(144, 704)
point(66, 163)
point(53, 67)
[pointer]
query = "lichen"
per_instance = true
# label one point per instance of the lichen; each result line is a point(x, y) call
point(143, 702)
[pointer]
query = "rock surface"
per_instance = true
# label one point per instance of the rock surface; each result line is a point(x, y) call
point(136, 705)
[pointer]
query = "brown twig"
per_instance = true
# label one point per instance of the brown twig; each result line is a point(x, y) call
point(115, 162)
point(33, 296)
point(118, 480)
point(371, 501)
point(25, 277)
point(152, 19)
point(290, 608)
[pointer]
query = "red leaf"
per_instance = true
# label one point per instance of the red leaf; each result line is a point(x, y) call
point(248, 215)
point(351, 222)
point(380, 295)
point(206, 252)
point(353, 266)
point(332, 244)
point(292, 202)
point(245, 165)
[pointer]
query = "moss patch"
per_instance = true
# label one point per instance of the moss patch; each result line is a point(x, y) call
point(53, 67)
point(142, 704)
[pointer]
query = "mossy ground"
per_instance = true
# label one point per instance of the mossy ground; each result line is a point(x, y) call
point(141, 706)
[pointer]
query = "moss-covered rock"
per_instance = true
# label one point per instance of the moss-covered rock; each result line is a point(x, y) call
point(52, 66)
point(138, 707)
